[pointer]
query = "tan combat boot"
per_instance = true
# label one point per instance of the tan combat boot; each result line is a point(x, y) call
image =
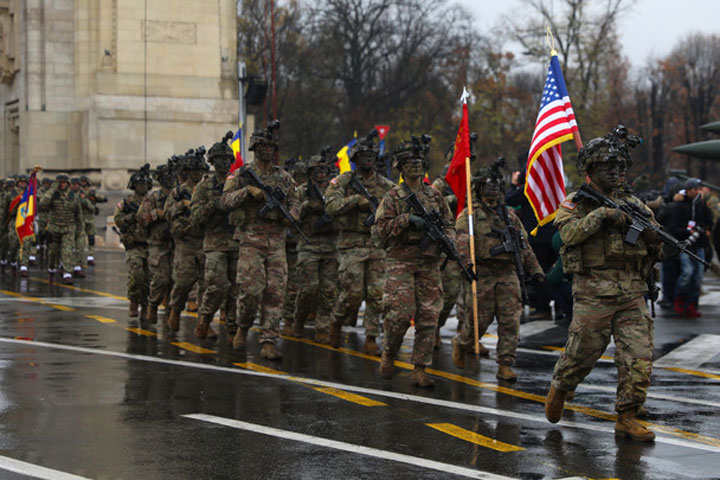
point(642, 413)
point(554, 403)
point(387, 365)
point(322, 336)
point(482, 351)
point(133, 309)
point(143, 311)
point(420, 378)
point(370, 346)
point(287, 328)
point(504, 372)
point(627, 426)
point(270, 352)
point(335, 335)
point(298, 330)
point(173, 321)
point(570, 396)
point(458, 355)
point(223, 316)
point(240, 339)
point(192, 306)
point(152, 314)
point(203, 329)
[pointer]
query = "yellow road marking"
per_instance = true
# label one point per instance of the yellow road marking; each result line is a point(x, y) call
point(193, 348)
point(140, 331)
point(350, 397)
point(561, 349)
point(259, 368)
point(38, 300)
point(72, 287)
point(100, 318)
point(693, 372)
point(473, 437)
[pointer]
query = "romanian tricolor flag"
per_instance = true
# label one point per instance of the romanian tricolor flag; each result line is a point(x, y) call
point(24, 221)
point(236, 144)
point(343, 156)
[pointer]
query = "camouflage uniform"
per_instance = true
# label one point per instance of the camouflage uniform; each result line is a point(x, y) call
point(13, 242)
point(608, 292)
point(221, 251)
point(81, 240)
point(361, 264)
point(317, 266)
point(188, 257)
point(160, 247)
point(498, 287)
point(297, 169)
point(134, 239)
point(90, 230)
point(413, 285)
point(262, 265)
point(63, 212)
point(4, 223)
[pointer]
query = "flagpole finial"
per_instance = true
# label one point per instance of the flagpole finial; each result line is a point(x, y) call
point(465, 96)
point(550, 41)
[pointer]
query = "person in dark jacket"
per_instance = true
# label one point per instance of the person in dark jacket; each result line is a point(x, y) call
point(690, 220)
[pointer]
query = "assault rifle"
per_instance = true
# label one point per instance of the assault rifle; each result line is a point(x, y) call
point(360, 188)
point(130, 207)
point(314, 192)
point(640, 223)
point(434, 225)
point(511, 244)
point(274, 198)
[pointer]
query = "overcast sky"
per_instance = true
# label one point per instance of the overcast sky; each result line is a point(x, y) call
point(651, 27)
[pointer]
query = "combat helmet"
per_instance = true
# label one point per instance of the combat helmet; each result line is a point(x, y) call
point(9, 182)
point(164, 175)
point(365, 146)
point(194, 159)
point(22, 178)
point(221, 148)
point(416, 147)
point(62, 178)
point(267, 136)
point(451, 149)
point(74, 180)
point(320, 160)
point(616, 145)
point(141, 176)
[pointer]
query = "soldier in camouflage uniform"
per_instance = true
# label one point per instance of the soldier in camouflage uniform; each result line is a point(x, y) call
point(91, 194)
point(63, 212)
point(361, 270)
point(609, 284)
point(498, 287)
point(221, 249)
point(87, 211)
point(151, 216)
point(134, 238)
point(413, 285)
point(42, 219)
point(4, 221)
point(297, 169)
point(317, 262)
point(188, 257)
point(21, 182)
point(262, 265)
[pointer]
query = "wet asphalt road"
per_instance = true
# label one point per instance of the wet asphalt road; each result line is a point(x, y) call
point(85, 391)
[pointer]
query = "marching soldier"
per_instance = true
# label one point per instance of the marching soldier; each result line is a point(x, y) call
point(151, 216)
point(94, 198)
point(188, 257)
point(262, 265)
point(609, 284)
point(297, 169)
point(498, 287)
point(63, 212)
point(413, 278)
point(317, 262)
point(87, 211)
point(134, 238)
point(221, 249)
point(349, 199)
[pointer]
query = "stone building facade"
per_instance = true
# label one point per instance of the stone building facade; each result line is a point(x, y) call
point(105, 85)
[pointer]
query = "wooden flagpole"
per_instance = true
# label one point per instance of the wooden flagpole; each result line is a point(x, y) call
point(471, 229)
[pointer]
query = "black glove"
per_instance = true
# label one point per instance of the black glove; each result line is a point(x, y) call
point(417, 222)
point(538, 278)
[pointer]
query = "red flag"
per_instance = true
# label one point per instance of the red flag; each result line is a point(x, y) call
point(456, 177)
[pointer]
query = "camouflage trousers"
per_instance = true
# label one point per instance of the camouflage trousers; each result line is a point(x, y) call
point(221, 289)
point(452, 281)
point(498, 296)
point(61, 247)
point(13, 248)
point(317, 287)
point(413, 289)
point(594, 321)
point(80, 246)
point(261, 279)
point(90, 233)
point(4, 236)
point(159, 263)
point(291, 290)
point(361, 274)
point(187, 269)
point(138, 285)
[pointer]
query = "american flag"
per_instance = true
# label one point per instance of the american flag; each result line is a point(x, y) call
point(544, 181)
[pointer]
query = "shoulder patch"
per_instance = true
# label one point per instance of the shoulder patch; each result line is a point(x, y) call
point(568, 204)
point(119, 204)
point(334, 180)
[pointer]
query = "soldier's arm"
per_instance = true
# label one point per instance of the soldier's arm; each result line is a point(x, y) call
point(336, 203)
point(463, 235)
point(201, 206)
point(575, 229)
point(234, 194)
point(530, 262)
point(147, 213)
point(122, 220)
point(389, 222)
point(448, 217)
